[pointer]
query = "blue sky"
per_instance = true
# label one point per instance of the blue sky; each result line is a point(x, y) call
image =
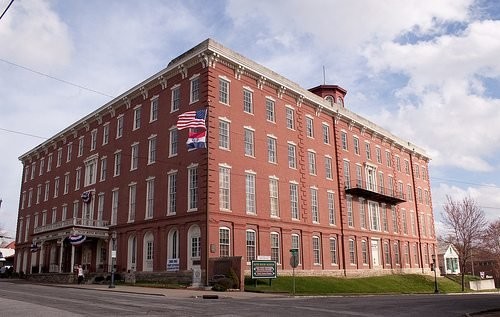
point(427, 71)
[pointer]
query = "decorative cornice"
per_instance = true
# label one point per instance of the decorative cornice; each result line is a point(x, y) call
point(319, 108)
point(238, 71)
point(209, 53)
point(111, 110)
point(209, 59)
point(337, 118)
point(183, 71)
point(163, 81)
point(281, 91)
point(351, 124)
point(126, 101)
point(144, 92)
point(260, 82)
point(300, 100)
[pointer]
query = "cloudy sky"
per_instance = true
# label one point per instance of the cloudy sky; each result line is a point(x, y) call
point(428, 71)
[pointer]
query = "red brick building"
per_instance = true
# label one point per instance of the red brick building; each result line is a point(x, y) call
point(284, 168)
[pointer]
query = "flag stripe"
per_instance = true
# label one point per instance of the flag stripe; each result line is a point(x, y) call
point(192, 119)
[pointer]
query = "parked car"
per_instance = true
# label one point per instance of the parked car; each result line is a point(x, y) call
point(6, 271)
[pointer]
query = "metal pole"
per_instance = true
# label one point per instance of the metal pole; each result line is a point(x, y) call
point(113, 259)
point(436, 290)
point(293, 273)
point(112, 285)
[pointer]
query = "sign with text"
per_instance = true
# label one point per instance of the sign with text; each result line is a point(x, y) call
point(172, 265)
point(264, 257)
point(264, 269)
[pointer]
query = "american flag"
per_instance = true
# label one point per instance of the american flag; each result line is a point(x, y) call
point(192, 119)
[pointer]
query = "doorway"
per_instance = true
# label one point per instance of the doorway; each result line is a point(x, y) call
point(375, 252)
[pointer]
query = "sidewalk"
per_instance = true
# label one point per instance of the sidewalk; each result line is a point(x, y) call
point(171, 293)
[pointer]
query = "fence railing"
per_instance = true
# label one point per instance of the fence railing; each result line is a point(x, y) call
point(73, 222)
point(375, 188)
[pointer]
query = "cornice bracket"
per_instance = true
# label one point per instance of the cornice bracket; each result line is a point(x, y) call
point(144, 92)
point(163, 82)
point(183, 71)
point(281, 91)
point(127, 102)
point(238, 71)
point(300, 100)
point(260, 82)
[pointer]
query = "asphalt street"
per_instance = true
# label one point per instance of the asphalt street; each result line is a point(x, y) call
point(18, 298)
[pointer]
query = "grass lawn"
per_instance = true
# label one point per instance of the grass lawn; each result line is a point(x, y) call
point(391, 284)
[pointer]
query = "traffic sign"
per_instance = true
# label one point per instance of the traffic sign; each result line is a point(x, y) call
point(294, 260)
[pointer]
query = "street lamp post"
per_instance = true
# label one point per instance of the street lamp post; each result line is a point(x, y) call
point(436, 290)
point(113, 259)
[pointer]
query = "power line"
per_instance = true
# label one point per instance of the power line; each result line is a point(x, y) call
point(58, 79)
point(462, 182)
point(22, 133)
point(4, 11)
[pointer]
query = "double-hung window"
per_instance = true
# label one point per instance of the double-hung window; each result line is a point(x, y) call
point(249, 142)
point(152, 149)
point(224, 134)
point(247, 101)
point(309, 127)
point(292, 155)
point(137, 118)
point(271, 150)
point(153, 113)
point(225, 187)
point(224, 241)
point(270, 111)
point(224, 91)
point(195, 89)
point(176, 98)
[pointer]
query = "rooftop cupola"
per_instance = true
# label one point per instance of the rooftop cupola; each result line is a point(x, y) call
point(332, 93)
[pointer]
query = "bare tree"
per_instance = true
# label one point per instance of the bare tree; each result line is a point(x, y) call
point(466, 223)
point(491, 244)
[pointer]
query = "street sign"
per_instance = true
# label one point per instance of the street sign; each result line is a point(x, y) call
point(294, 260)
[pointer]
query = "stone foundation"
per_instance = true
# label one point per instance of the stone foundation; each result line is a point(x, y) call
point(181, 277)
point(52, 278)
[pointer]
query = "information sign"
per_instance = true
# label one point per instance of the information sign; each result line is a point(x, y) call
point(264, 269)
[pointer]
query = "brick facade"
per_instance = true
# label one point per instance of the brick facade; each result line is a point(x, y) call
point(274, 176)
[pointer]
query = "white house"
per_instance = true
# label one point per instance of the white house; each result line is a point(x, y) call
point(448, 259)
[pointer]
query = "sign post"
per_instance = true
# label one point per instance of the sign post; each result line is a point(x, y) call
point(294, 262)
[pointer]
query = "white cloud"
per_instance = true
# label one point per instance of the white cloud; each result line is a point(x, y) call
point(348, 24)
point(451, 117)
point(32, 34)
point(487, 197)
